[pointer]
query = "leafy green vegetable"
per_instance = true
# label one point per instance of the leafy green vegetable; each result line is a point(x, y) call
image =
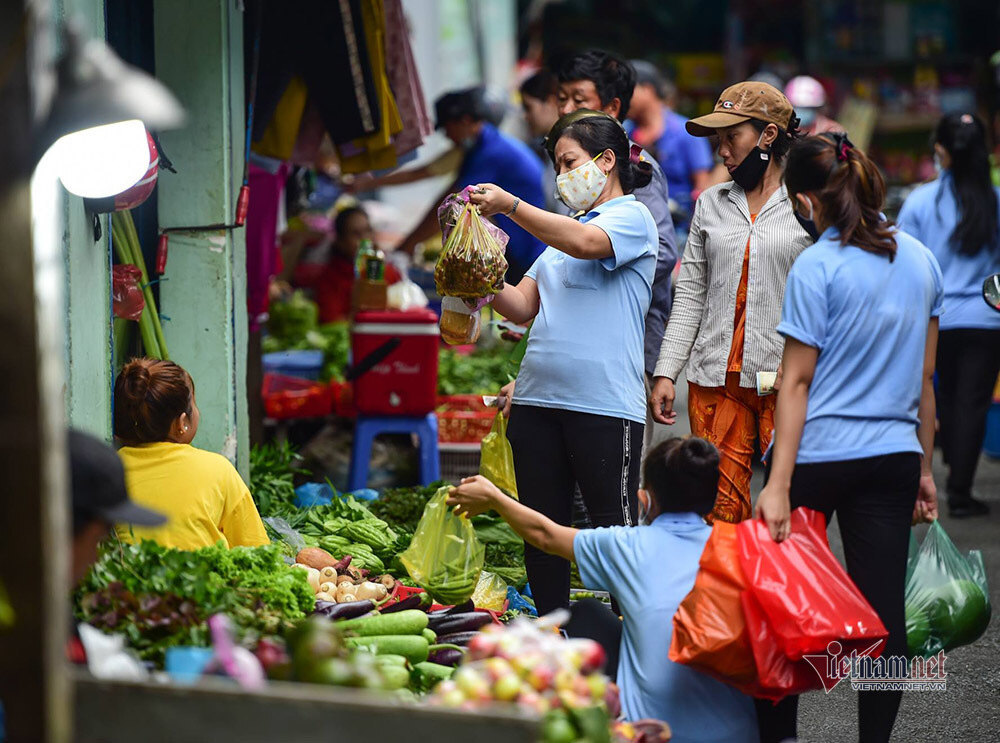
point(482, 372)
point(273, 468)
point(402, 508)
point(160, 597)
point(292, 326)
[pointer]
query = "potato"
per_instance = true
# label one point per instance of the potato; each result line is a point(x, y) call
point(326, 597)
point(327, 588)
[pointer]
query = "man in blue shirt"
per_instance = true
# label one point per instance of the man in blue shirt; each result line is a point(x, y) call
point(681, 479)
point(490, 157)
point(686, 160)
point(601, 81)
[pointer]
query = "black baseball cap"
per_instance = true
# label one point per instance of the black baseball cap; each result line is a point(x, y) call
point(98, 485)
point(459, 103)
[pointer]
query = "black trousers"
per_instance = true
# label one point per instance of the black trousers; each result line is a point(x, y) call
point(873, 499)
point(553, 451)
point(968, 361)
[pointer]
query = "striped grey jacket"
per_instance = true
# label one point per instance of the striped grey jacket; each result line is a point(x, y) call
point(699, 332)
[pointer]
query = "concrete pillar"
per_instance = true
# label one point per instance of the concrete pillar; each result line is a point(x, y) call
point(199, 56)
point(89, 380)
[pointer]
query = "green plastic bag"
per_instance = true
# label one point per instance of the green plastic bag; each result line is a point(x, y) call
point(496, 461)
point(445, 557)
point(947, 597)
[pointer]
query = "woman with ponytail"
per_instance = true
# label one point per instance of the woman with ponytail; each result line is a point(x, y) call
point(957, 216)
point(156, 418)
point(579, 405)
point(854, 425)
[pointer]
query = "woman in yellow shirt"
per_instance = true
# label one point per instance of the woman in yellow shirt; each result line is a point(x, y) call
point(200, 492)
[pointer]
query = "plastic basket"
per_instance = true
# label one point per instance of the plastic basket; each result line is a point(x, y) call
point(463, 419)
point(294, 397)
point(342, 394)
point(304, 364)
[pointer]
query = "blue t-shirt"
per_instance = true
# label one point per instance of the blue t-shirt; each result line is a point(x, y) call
point(585, 350)
point(510, 164)
point(629, 562)
point(930, 214)
point(868, 317)
point(679, 154)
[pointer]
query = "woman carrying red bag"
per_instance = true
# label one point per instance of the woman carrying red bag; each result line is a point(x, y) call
point(854, 424)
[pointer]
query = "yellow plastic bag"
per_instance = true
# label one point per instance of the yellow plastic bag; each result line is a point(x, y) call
point(445, 557)
point(496, 461)
point(491, 592)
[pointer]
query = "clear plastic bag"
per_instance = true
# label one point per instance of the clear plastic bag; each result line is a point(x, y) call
point(947, 597)
point(460, 324)
point(496, 461)
point(445, 557)
point(472, 263)
point(491, 592)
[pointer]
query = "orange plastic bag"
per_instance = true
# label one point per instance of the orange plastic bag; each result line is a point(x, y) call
point(709, 630)
point(805, 594)
point(714, 632)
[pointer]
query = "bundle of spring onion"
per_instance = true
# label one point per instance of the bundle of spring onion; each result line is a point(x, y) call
point(127, 248)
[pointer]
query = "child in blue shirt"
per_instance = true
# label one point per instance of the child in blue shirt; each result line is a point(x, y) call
point(649, 569)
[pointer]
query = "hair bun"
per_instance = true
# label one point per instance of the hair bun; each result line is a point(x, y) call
point(697, 452)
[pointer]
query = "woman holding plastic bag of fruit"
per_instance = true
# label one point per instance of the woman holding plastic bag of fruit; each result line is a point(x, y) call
point(579, 406)
point(854, 424)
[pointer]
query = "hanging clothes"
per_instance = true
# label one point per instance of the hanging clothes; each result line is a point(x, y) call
point(376, 151)
point(267, 187)
point(405, 81)
point(278, 140)
point(324, 42)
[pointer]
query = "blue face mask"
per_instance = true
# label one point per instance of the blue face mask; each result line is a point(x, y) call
point(807, 116)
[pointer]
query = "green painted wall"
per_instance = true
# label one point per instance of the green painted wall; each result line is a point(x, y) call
point(199, 56)
point(87, 286)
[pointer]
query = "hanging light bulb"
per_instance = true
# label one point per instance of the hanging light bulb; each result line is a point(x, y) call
point(102, 160)
point(95, 132)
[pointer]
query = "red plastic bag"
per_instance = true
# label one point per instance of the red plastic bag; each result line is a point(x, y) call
point(777, 677)
point(127, 300)
point(803, 591)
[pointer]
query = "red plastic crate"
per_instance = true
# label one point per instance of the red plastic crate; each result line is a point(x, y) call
point(293, 397)
point(463, 419)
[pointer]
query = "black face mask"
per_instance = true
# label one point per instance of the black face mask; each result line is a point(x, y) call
point(749, 172)
point(808, 225)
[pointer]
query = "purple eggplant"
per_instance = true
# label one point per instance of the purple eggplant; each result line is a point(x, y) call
point(446, 656)
point(350, 610)
point(462, 608)
point(413, 602)
point(456, 638)
point(466, 622)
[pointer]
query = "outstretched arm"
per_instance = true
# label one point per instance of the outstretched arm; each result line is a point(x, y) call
point(477, 495)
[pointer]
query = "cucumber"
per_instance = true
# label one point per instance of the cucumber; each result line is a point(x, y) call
point(407, 622)
point(390, 660)
point(429, 636)
point(426, 676)
point(394, 677)
point(412, 647)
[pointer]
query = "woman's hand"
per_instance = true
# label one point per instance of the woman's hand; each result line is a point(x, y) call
point(926, 509)
point(504, 398)
point(661, 401)
point(773, 509)
point(474, 496)
point(491, 199)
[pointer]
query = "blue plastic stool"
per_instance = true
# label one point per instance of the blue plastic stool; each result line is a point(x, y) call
point(366, 428)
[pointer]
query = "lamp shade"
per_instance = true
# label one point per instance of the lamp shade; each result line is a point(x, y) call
point(95, 88)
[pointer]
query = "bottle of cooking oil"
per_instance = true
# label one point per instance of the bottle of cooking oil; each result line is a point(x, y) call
point(369, 268)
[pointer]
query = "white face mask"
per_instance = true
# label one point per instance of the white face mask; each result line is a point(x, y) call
point(582, 186)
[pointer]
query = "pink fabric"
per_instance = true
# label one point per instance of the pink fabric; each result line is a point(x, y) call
point(404, 81)
point(266, 190)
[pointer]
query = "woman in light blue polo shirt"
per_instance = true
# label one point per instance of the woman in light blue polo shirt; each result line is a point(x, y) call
point(957, 216)
point(579, 406)
point(854, 424)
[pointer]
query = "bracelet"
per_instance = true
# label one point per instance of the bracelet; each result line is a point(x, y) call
point(513, 209)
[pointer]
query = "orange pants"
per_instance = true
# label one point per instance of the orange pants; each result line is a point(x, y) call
point(731, 417)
